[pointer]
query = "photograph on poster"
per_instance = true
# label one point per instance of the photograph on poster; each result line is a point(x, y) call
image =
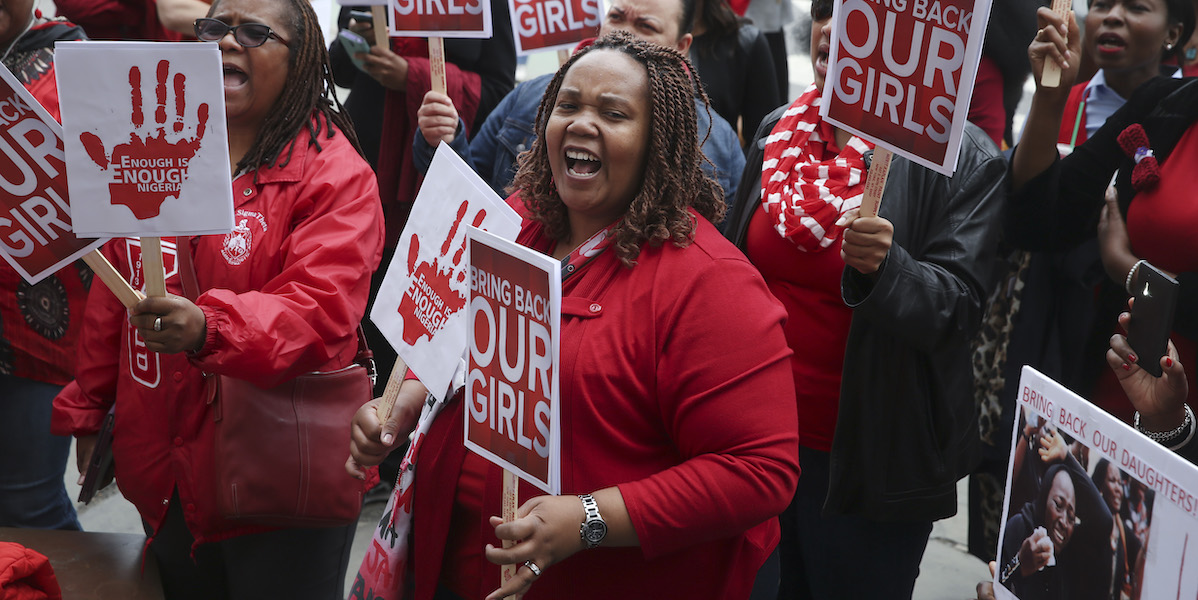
point(1093, 508)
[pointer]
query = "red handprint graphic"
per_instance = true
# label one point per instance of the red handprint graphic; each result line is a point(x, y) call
point(429, 296)
point(148, 169)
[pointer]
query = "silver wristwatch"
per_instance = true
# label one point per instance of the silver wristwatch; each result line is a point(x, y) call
point(593, 529)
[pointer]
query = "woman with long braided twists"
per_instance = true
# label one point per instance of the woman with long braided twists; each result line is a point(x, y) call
point(881, 310)
point(281, 296)
point(678, 419)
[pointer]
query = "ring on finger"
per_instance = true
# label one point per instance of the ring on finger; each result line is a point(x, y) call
point(158, 324)
point(532, 566)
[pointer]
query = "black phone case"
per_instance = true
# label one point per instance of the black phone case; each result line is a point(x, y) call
point(1151, 317)
point(100, 467)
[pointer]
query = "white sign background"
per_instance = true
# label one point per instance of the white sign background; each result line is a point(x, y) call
point(440, 256)
point(97, 100)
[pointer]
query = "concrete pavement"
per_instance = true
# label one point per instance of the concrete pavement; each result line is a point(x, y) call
point(948, 572)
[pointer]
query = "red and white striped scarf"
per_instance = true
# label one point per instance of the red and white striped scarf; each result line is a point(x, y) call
point(804, 195)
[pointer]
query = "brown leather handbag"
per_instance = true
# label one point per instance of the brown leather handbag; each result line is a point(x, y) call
point(280, 452)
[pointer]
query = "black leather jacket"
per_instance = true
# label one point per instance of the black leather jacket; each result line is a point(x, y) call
point(907, 425)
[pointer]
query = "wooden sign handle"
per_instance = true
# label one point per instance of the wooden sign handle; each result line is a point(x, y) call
point(381, 34)
point(1050, 77)
point(875, 182)
point(436, 62)
point(562, 57)
point(391, 392)
point(511, 500)
point(151, 266)
point(111, 278)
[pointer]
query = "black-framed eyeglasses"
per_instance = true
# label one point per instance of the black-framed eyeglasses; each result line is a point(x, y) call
point(249, 35)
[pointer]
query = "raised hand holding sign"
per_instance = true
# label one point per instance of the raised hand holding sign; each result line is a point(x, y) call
point(157, 169)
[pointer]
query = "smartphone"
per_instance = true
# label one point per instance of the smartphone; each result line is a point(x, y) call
point(1152, 316)
point(361, 16)
point(354, 44)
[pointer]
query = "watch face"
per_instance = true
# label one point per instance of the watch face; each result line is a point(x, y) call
point(595, 531)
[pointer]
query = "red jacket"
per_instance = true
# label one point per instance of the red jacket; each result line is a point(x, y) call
point(286, 291)
point(26, 574)
point(676, 386)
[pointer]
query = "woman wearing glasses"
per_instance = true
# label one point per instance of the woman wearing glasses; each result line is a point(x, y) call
point(281, 295)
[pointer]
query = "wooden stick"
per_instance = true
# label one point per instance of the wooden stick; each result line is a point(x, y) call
point(436, 62)
point(562, 57)
point(151, 266)
point(381, 33)
point(111, 278)
point(1050, 77)
point(875, 182)
point(510, 501)
point(391, 392)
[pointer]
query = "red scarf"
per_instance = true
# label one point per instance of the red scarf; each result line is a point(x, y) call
point(802, 193)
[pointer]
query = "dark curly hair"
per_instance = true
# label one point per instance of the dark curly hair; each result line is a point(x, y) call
point(307, 100)
point(673, 181)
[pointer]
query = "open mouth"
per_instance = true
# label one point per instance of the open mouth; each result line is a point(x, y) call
point(1058, 536)
point(581, 163)
point(1109, 42)
point(234, 77)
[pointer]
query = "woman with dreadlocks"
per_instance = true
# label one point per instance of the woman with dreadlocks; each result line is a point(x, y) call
point(678, 419)
point(281, 296)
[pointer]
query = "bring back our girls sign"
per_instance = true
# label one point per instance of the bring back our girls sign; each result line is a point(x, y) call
point(901, 73)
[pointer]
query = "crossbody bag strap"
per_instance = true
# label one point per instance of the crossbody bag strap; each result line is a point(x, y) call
point(191, 290)
point(187, 269)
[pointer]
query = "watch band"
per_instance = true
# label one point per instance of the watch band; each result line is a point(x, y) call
point(593, 528)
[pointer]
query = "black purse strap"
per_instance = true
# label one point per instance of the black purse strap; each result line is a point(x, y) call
point(191, 291)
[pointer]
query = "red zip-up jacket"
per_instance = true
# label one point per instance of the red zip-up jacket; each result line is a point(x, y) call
point(286, 290)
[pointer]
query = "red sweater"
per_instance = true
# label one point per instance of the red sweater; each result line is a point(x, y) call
point(817, 323)
point(678, 390)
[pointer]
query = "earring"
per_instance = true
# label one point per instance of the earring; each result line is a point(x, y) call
point(1168, 47)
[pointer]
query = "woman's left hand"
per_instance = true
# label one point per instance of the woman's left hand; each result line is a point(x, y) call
point(170, 324)
point(389, 68)
point(545, 532)
point(866, 241)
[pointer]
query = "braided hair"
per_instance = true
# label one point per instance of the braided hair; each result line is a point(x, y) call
point(307, 100)
point(673, 180)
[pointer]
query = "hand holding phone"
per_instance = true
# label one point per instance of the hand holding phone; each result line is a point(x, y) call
point(354, 45)
point(1151, 316)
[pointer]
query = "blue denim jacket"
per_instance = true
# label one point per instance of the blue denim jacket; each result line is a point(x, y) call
point(508, 131)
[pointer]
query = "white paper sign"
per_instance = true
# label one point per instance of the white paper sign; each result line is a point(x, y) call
point(1061, 497)
point(420, 304)
point(144, 131)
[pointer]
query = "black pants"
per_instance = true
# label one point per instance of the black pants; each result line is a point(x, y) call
point(842, 556)
point(287, 563)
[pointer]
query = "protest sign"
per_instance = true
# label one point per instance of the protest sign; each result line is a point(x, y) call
point(512, 409)
point(1093, 508)
point(36, 234)
point(553, 24)
point(420, 302)
point(511, 382)
point(441, 18)
point(901, 74)
point(144, 131)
